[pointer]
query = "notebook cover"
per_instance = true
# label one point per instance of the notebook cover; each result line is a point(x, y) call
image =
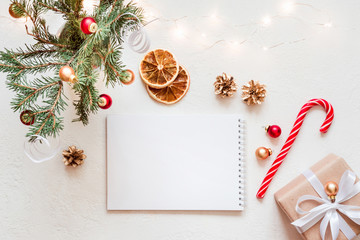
point(175, 162)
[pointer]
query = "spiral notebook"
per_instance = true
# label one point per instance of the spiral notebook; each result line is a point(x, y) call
point(175, 162)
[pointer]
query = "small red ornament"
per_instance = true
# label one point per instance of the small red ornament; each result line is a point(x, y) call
point(274, 131)
point(88, 25)
point(27, 118)
point(130, 77)
point(105, 101)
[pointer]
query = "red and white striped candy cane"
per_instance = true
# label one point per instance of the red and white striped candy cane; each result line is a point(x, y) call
point(291, 139)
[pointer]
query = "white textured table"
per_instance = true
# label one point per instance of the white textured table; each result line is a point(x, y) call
point(50, 201)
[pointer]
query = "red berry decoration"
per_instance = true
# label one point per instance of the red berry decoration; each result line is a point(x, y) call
point(130, 77)
point(27, 118)
point(274, 131)
point(105, 101)
point(88, 25)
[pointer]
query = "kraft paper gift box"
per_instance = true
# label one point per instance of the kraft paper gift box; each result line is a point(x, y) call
point(331, 168)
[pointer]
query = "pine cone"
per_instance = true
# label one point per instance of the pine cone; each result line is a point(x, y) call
point(253, 93)
point(225, 85)
point(73, 157)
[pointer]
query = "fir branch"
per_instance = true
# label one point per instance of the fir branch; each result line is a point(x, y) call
point(37, 37)
point(52, 8)
point(44, 97)
point(113, 6)
point(33, 53)
point(51, 110)
point(23, 67)
point(23, 86)
point(37, 91)
point(27, 13)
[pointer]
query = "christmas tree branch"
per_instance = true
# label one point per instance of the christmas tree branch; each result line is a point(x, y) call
point(43, 97)
point(52, 8)
point(23, 67)
point(113, 6)
point(51, 111)
point(37, 37)
point(37, 52)
point(26, 13)
point(37, 91)
point(23, 86)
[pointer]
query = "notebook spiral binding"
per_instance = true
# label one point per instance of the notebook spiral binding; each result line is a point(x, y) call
point(241, 131)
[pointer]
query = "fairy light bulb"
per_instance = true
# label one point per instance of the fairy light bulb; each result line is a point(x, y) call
point(179, 32)
point(214, 17)
point(288, 7)
point(266, 21)
point(328, 25)
point(265, 48)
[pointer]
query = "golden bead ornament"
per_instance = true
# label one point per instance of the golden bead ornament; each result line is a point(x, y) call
point(253, 93)
point(263, 153)
point(67, 74)
point(331, 189)
point(13, 13)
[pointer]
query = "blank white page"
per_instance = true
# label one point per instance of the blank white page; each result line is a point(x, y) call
point(174, 162)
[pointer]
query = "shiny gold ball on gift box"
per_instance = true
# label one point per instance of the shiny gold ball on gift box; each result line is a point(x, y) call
point(331, 189)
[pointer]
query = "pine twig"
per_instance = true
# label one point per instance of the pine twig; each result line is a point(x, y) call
point(51, 110)
point(113, 6)
point(37, 37)
point(23, 67)
point(34, 52)
point(38, 90)
point(52, 8)
point(106, 62)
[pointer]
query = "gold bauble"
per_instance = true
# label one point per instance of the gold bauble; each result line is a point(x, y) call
point(67, 74)
point(13, 13)
point(331, 189)
point(262, 153)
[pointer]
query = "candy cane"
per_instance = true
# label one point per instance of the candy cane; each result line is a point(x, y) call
point(291, 139)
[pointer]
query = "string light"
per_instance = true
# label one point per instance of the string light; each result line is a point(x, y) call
point(214, 17)
point(288, 7)
point(207, 41)
point(328, 25)
point(266, 21)
point(179, 32)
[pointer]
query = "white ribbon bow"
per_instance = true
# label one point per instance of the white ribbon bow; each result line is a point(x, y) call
point(328, 211)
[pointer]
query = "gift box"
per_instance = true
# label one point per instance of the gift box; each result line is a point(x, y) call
point(331, 168)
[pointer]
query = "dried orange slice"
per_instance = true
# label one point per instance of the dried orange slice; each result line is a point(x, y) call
point(159, 68)
point(175, 91)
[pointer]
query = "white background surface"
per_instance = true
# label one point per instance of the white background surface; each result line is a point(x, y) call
point(50, 201)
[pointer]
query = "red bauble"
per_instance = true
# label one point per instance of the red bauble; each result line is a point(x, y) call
point(105, 101)
point(88, 25)
point(274, 131)
point(26, 118)
point(130, 77)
